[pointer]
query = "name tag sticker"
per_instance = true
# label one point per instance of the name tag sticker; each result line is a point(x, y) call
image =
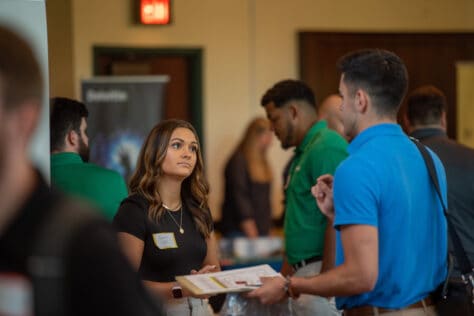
point(165, 240)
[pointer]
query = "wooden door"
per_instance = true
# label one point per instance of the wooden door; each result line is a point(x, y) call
point(430, 59)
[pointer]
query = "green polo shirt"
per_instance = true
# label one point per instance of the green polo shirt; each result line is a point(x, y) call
point(320, 153)
point(102, 187)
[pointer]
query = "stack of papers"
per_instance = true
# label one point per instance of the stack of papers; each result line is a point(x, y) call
point(237, 280)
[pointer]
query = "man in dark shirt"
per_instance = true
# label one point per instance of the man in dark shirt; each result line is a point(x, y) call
point(71, 266)
point(426, 121)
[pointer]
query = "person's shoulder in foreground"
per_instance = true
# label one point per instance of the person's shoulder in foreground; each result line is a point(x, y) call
point(97, 278)
point(87, 275)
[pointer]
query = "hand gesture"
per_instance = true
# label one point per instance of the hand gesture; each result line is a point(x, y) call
point(323, 193)
point(205, 269)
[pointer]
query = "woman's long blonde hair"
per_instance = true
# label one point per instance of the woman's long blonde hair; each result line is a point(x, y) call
point(145, 179)
point(256, 157)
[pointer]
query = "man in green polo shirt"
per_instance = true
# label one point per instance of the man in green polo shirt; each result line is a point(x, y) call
point(309, 241)
point(70, 170)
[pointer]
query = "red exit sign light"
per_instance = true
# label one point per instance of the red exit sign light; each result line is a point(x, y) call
point(155, 11)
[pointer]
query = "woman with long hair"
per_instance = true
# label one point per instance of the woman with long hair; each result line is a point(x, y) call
point(246, 210)
point(165, 226)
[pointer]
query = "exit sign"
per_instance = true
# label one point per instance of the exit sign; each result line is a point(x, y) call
point(155, 12)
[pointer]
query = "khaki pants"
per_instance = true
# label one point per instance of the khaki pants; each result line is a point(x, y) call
point(310, 305)
point(188, 306)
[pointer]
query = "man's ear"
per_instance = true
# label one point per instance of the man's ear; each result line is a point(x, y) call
point(72, 139)
point(28, 115)
point(361, 100)
point(293, 111)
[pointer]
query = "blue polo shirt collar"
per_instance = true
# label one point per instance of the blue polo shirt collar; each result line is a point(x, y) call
point(371, 132)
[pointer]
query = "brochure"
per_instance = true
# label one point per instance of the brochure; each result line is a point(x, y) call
point(237, 280)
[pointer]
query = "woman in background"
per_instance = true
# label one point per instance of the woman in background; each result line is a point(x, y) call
point(165, 226)
point(246, 209)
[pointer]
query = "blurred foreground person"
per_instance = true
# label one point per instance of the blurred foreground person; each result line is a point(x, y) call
point(56, 257)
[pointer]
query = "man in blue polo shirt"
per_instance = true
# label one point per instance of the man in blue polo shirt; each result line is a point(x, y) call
point(391, 242)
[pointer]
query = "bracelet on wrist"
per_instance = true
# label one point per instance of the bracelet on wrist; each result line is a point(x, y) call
point(287, 286)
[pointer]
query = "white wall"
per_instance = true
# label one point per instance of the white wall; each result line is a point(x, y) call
point(28, 18)
point(249, 45)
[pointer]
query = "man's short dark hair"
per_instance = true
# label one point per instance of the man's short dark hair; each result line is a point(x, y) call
point(381, 73)
point(425, 105)
point(20, 74)
point(65, 116)
point(288, 90)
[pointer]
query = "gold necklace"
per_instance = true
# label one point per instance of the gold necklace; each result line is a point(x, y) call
point(180, 225)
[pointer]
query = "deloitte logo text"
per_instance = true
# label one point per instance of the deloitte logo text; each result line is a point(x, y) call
point(106, 96)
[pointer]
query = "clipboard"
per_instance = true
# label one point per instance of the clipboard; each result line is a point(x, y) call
point(236, 280)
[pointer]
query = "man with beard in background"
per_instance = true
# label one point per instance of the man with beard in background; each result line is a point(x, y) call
point(70, 170)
